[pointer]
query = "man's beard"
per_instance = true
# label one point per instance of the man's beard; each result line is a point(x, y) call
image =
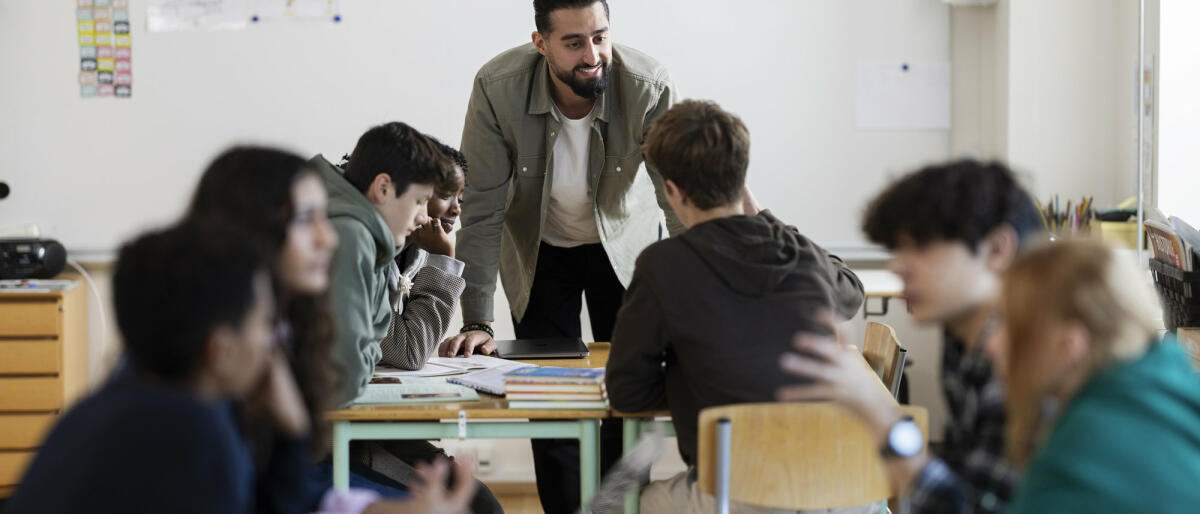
point(587, 88)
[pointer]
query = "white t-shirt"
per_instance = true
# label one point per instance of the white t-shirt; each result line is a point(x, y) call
point(570, 217)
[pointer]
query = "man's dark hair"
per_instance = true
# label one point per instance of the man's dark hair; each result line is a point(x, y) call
point(402, 152)
point(173, 288)
point(957, 201)
point(703, 149)
point(543, 8)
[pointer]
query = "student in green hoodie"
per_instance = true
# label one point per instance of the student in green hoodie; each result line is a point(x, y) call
point(725, 295)
point(1105, 414)
point(375, 205)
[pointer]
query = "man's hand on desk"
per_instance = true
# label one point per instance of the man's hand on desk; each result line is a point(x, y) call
point(838, 372)
point(468, 343)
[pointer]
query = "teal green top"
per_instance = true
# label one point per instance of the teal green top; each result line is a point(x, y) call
point(1128, 442)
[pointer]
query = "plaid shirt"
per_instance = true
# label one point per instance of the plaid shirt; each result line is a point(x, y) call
point(972, 475)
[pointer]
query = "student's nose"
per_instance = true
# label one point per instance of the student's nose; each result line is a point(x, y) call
point(593, 54)
point(422, 217)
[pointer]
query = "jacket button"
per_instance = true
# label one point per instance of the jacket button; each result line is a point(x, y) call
point(552, 134)
point(523, 168)
point(618, 169)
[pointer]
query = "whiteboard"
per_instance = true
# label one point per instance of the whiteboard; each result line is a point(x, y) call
point(92, 172)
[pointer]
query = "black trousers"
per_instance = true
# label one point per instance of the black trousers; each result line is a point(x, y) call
point(563, 277)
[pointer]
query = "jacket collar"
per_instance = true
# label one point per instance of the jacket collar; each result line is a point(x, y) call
point(540, 100)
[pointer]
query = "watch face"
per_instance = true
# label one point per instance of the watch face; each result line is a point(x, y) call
point(905, 439)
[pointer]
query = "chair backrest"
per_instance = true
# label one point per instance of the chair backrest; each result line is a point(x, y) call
point(883, 352)
point(812, 455)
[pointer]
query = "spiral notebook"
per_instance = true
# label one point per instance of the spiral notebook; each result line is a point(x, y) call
point(490, 380)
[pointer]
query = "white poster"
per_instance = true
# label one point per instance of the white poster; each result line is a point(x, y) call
point(295, 10)
point(170, 15)
point(903, 95)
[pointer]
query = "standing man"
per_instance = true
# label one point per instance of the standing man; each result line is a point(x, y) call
point(555, 201)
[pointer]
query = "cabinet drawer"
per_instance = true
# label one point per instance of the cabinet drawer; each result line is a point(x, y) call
point(12, 466)
point(20, 318)
point(30, 394)
point(29, 357)
point(24, 431)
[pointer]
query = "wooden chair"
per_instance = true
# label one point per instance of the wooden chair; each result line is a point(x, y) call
point(814, 455)
point(883, 352)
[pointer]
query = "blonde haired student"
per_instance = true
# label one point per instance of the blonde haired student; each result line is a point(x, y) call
point(1105, 414)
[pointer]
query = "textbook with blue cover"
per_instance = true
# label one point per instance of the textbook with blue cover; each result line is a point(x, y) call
point(554, 374)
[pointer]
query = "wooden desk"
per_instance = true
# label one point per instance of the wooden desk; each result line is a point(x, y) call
point(881, 284)
point(489, 417)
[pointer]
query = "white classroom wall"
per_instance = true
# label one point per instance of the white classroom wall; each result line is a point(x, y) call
point(1041, 83)
point(1179, 125)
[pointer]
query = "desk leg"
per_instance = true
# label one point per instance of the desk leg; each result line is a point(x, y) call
point(589, 460)
point(341, 455)
point(630, 430)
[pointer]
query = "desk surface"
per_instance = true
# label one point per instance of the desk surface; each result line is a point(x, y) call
point(878, 283)
point(488, 406)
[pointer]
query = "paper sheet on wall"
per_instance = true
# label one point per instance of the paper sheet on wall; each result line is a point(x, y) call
point(903, 95)
point(171, 15)
point(295, 10)
point(105, 48)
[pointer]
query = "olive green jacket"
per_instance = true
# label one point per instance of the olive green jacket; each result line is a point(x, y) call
point(508, 140)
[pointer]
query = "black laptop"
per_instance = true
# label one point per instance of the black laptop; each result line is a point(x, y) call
point(555, 348)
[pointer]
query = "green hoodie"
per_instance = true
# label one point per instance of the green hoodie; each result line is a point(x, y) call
point(359, 284)
point(1128, 442)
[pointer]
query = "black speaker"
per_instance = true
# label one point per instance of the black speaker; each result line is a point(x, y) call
point(31, 258)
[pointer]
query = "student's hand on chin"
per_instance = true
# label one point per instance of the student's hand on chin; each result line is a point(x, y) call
point(280, 396)
point(467, 343)
point(837, 372)
point(433, 239)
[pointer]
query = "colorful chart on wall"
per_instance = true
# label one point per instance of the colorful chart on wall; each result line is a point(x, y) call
point(105, 48)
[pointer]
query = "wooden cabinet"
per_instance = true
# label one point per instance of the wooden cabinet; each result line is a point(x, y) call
point(43, 368)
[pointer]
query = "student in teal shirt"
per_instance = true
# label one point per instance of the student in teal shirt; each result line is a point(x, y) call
point(1104, 413)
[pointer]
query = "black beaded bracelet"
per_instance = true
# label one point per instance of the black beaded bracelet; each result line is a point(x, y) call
point(478, 326)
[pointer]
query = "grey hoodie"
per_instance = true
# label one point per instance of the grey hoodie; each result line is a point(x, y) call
point(708, 314)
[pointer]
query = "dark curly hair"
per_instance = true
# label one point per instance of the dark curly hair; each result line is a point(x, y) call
point(251, 187)
point(543, 8)
point(957, 201)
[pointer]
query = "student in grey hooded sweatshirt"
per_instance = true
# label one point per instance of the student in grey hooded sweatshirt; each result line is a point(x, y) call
point(708, 311)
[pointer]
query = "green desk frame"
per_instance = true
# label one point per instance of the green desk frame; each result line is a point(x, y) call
point(631, 430)
point(585, 430)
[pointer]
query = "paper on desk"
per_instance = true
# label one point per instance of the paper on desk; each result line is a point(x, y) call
point(442, 366)
point(417, 391)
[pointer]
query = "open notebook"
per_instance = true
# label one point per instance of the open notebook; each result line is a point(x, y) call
point(490, 380)
point(443, 366)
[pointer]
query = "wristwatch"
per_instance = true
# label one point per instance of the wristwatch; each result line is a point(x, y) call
point(904, 440)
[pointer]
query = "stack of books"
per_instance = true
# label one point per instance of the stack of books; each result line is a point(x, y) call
point(555, 388)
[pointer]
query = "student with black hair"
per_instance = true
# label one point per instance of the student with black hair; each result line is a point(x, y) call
point(382, 314)
point(378, 202)
point(195, 310)
point(953, 230)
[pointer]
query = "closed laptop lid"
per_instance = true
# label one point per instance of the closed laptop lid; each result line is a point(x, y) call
point(552, 348)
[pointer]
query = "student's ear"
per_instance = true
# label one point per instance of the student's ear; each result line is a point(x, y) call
point(539, 42)
point(380, 188)
point(218, 351)
point(1074, 344)
point(674, 192)
point(1000, 247)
